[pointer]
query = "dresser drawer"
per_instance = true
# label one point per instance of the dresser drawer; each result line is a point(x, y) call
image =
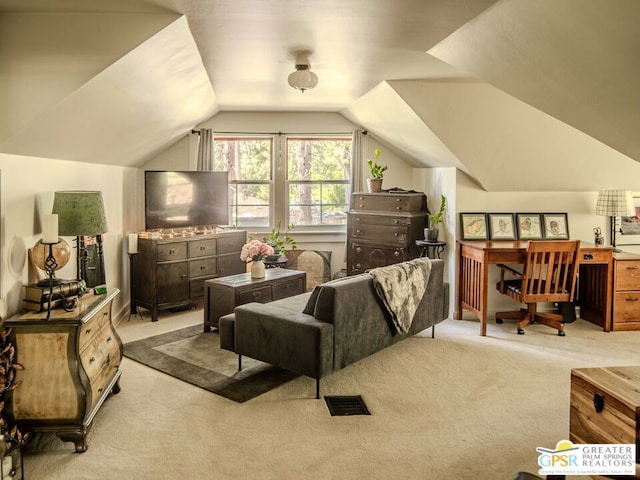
point(92, 327)
point(231, 243)
point(172, 251)
point(627, 275)
point(593, 256)
point(288, 288)
point(104, 376)
point(626, 307)
point(366, 256)
point(99, 353)
point(260, 295)
point(204, 267)
point(390, 202)
point(378, 220)
point(202, 248)
point(385, 234)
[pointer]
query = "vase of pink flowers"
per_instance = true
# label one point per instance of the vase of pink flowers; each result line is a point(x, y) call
point(255, 251)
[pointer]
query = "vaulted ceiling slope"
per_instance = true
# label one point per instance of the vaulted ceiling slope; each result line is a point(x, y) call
point(493, 88)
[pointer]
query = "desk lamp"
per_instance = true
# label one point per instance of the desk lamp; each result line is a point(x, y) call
point(615, 203)
point(80, 214)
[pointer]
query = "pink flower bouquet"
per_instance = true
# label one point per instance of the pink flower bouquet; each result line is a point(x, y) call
point(255, 250)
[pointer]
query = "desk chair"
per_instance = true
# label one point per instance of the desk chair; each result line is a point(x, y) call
point(549, 275)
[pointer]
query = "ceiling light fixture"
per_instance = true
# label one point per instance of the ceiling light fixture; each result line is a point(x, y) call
point(303, 78)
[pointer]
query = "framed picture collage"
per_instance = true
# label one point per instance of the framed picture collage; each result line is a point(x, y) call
point(514, 226)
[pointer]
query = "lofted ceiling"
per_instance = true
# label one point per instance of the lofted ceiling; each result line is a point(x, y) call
point(484, 86)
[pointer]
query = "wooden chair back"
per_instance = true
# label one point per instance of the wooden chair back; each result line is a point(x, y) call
point(550, 271)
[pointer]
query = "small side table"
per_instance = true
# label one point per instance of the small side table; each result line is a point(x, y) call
point(431, 249)
point(281, 262)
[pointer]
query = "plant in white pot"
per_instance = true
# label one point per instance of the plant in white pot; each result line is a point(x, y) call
point(431, 233)
point(377, 171)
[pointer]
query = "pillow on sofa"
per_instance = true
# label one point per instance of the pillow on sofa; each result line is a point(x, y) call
point(310, 307)
point(316, 263)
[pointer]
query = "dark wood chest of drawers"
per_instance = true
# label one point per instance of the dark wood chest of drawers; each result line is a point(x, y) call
point(171, 272)
point(382, 229)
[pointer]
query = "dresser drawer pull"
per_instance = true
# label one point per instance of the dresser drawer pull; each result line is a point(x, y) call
point(358, 266)
point(257, 295)
point(358, 249)
point(100, 389)
point(203, 267)
point(105, 313)
point(221, 270)
point(172, 251)
point(398, 200)
point(588, 256)
point(202, 247)
point(107, 361)
point(92, 359)
point(395, 234)
point(357, 231)
point(396, 221)
point(598, 401)
point(108, 339)
point(396, 253)
point(635, 267)
point(631, 299)
point(361, 205)
point(87, 331)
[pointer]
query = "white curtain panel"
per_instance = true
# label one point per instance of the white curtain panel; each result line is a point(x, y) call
point(357, 152)
point(205, 150)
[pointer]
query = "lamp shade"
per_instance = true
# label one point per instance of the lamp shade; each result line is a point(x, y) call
point(80, 213)
point(303, 78)
point(615, 203)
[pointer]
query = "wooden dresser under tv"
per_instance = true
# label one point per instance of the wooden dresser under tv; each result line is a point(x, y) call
point(170, 272)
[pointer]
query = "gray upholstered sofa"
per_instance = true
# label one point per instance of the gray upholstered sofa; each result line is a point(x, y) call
point(320, 332)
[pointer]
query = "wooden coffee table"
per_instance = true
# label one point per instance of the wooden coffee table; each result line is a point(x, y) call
point(222, 295)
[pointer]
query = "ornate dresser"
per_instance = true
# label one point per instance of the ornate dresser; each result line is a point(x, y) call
point(383, 228)
point(71, 364)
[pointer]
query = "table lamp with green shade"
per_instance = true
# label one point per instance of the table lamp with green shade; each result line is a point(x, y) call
point(80, 214)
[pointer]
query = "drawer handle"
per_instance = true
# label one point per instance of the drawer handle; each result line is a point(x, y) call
point(107, 361)
point(631, 299)
point(396, 221)
point(361, 198)
point(357, 231)
point(635, 267)
point(202, 248)
point(100, 389)
point(183, 276)
point(221, 270)
point(358, 250)
point(257, 295)
point(88, 331)
point(588, 256)
point(361, 205)
point(357, 219)
point(397, 199)
point(398, 208)
point(598, 401)
point(396, 253)
point(202, 267)
point(105, 313)
point(92, 359)
point(172, 251)
point(358, 266)
point(395, 234)
point(108, 339)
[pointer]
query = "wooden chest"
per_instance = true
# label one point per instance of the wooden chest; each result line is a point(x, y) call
point(605, 406)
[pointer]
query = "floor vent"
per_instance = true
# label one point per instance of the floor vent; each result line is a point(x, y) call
point(346, 405)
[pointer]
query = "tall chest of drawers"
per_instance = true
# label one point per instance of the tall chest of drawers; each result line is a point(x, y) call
point(626, 286)
point(71, 364)
point(382, 229)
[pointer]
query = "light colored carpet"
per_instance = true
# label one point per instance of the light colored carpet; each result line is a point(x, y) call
point(459, 406)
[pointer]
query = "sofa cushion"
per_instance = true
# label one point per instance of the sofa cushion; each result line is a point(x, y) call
point(310, 307)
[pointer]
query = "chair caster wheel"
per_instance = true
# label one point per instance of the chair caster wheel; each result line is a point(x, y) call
point(520, 331)
point(561, 333)
point(499, 321)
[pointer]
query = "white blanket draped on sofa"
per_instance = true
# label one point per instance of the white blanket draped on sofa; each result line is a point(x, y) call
point(401, 288)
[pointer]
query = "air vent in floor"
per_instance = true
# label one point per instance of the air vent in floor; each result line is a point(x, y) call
point(346, 405)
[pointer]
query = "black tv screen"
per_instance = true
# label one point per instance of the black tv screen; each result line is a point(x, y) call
point(185, 199)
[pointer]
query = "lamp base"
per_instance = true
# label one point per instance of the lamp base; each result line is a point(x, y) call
point(45, 282)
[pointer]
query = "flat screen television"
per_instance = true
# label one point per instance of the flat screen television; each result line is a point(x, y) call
point(185, 199)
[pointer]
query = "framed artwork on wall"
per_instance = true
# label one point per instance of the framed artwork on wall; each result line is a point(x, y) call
point(529, 226)
point(474, 226)
point(555, 226)
point(502, 226)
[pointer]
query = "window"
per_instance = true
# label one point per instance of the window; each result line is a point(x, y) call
point(249, 163)
point(318, 180)
point(307, 183)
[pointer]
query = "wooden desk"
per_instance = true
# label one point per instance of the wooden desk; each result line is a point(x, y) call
point(595, 284)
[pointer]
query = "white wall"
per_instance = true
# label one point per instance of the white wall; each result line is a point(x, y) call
point(182, 156)
point(27, 189)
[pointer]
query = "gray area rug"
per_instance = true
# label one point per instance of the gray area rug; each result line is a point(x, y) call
point(195, 357)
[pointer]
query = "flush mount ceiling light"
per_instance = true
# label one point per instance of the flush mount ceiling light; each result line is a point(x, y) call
point(303, 78)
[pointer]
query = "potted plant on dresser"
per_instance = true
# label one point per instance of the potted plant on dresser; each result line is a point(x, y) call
point(377, 172)
point(281, 242)
point(431, 233)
